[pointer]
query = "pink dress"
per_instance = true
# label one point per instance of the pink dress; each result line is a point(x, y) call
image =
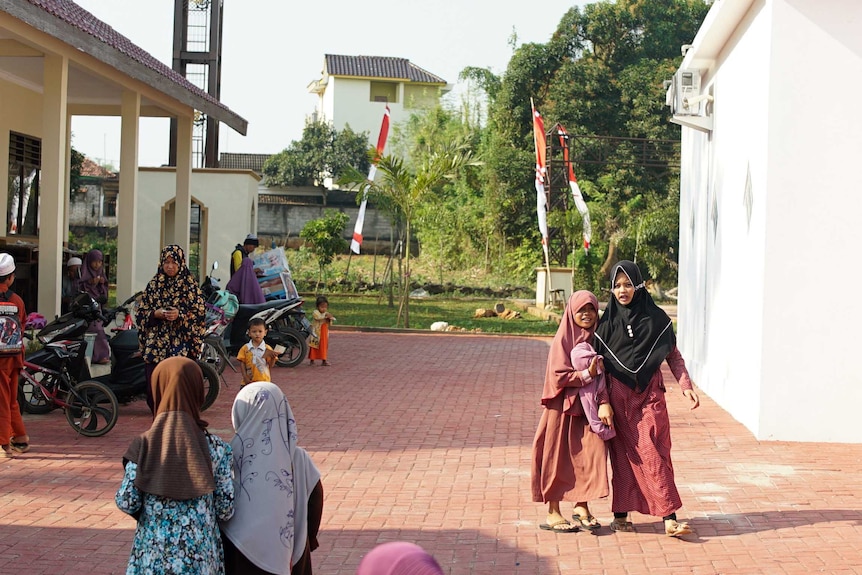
point(640, 452)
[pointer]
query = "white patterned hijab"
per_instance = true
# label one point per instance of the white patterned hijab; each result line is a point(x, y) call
point(273, 478)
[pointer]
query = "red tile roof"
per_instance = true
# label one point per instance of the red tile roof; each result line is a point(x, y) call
point(91, 169)
point(70, 14)
point(379, 67)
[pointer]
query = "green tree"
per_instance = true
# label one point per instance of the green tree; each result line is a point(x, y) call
point(600, 74)
point(408, 188)
point(75, 165)
point(323, 237)
point(323, 152)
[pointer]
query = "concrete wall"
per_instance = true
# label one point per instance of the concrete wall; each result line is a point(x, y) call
point(284, 222)
point(229, 209)
point(757, 195)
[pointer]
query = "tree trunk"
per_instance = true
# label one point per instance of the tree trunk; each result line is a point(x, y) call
point(605, 270)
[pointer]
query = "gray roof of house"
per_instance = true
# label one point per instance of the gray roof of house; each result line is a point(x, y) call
point(236, 161)
point(68, 22)
point(379, 67)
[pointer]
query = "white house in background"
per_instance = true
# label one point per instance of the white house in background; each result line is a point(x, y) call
point(769, 294)
point(353, 90)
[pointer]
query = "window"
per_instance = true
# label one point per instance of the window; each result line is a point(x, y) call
point(25, 162)
point(109, 206)
point(384, 92)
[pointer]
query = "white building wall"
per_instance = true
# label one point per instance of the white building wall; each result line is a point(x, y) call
point(230, 198)
point(351, 104)
point(810, 380)
point(746, 285)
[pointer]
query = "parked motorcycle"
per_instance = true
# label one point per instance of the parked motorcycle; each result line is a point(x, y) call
point(127, 379)
point(286, 324)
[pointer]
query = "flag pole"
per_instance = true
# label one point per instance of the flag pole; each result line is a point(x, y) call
point(540, 142)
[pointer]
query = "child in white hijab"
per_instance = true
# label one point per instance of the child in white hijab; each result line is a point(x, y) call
point(279, 497)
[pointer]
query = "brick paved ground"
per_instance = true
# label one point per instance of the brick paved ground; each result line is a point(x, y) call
point(427, 438)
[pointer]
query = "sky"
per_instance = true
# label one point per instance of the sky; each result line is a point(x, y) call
point(273, 50)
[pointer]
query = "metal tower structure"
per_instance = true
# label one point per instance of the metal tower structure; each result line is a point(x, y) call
point(198, 26)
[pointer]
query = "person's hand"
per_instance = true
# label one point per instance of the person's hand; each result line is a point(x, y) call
point(692, 397)
point(594, 366)
point(606, 414)
point(270, 354)
point(170, 314)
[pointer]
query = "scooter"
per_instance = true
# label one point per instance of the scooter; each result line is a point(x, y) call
point(127, 379)
point(286, 324)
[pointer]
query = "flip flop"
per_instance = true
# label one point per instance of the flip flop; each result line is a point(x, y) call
point(20, 447)
point(588, 522)
point(561, 526)
point(622, 526)
point(675, 528)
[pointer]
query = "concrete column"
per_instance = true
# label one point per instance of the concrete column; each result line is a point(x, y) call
point(68, 183)
point(127, 200)
point(183, 204)
point(54, 194)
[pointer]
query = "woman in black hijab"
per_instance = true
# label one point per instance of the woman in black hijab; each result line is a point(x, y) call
point(635, 337)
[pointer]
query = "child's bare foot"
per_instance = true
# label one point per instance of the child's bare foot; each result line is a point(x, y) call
point(325, 362)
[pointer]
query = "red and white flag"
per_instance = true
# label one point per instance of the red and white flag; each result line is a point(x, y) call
point(360, 218)
point(576, 190)
point(541, 197)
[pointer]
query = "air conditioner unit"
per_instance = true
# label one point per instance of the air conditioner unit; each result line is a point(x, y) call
point(686, 92)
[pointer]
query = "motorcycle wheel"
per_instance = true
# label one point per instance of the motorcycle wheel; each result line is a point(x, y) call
point(211, 384)
point(93, 409)
point(211, 356)
point(30, 397)
point(296, 348)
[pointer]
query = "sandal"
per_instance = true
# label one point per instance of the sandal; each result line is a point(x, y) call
point(6, 452)
point(561, 526)
point(588, 522)
point(674, 528)
point(20, 447)
point(621, 525)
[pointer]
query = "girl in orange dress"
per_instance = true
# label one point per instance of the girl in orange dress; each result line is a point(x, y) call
point(320, 322)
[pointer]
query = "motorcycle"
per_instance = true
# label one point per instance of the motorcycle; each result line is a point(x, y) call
point(127, 378)
point(286, 324)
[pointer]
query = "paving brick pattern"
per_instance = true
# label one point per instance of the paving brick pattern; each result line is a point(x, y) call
point(426, 437)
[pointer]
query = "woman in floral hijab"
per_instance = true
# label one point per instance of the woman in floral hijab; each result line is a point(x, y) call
point(171, 314)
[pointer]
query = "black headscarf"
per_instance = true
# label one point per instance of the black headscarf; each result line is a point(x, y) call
point(634, 339)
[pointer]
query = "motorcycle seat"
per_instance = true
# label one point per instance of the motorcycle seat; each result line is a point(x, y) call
point(253, 308)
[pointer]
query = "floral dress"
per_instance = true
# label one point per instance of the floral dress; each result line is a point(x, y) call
point(180, 536)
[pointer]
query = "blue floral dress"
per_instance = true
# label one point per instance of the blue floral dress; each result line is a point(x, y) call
point(180, 536)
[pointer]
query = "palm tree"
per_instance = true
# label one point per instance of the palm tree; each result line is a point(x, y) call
point(407, 189)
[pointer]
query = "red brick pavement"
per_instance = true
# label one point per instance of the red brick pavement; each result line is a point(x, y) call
point(426, 437)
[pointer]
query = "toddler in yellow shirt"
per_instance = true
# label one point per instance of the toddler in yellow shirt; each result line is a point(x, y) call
point(256, 356)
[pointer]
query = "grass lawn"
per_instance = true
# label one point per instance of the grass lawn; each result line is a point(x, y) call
point(372, 311)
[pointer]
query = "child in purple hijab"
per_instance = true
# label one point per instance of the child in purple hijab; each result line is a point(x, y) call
point(94, 281)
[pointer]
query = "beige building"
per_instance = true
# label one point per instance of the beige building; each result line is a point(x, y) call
point(57, 61)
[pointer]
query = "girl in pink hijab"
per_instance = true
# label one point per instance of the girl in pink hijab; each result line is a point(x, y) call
point(399, 558)
point(569, 459)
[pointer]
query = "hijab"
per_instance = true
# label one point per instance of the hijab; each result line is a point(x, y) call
point(184, 336)
point(173, 456)
point(634, 339)
point(244, 285)
point(560, 373)
point(399, 558)
point(273, 478)
point(88, 273)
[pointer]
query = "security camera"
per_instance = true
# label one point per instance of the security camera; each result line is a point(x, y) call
point(685, 48)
